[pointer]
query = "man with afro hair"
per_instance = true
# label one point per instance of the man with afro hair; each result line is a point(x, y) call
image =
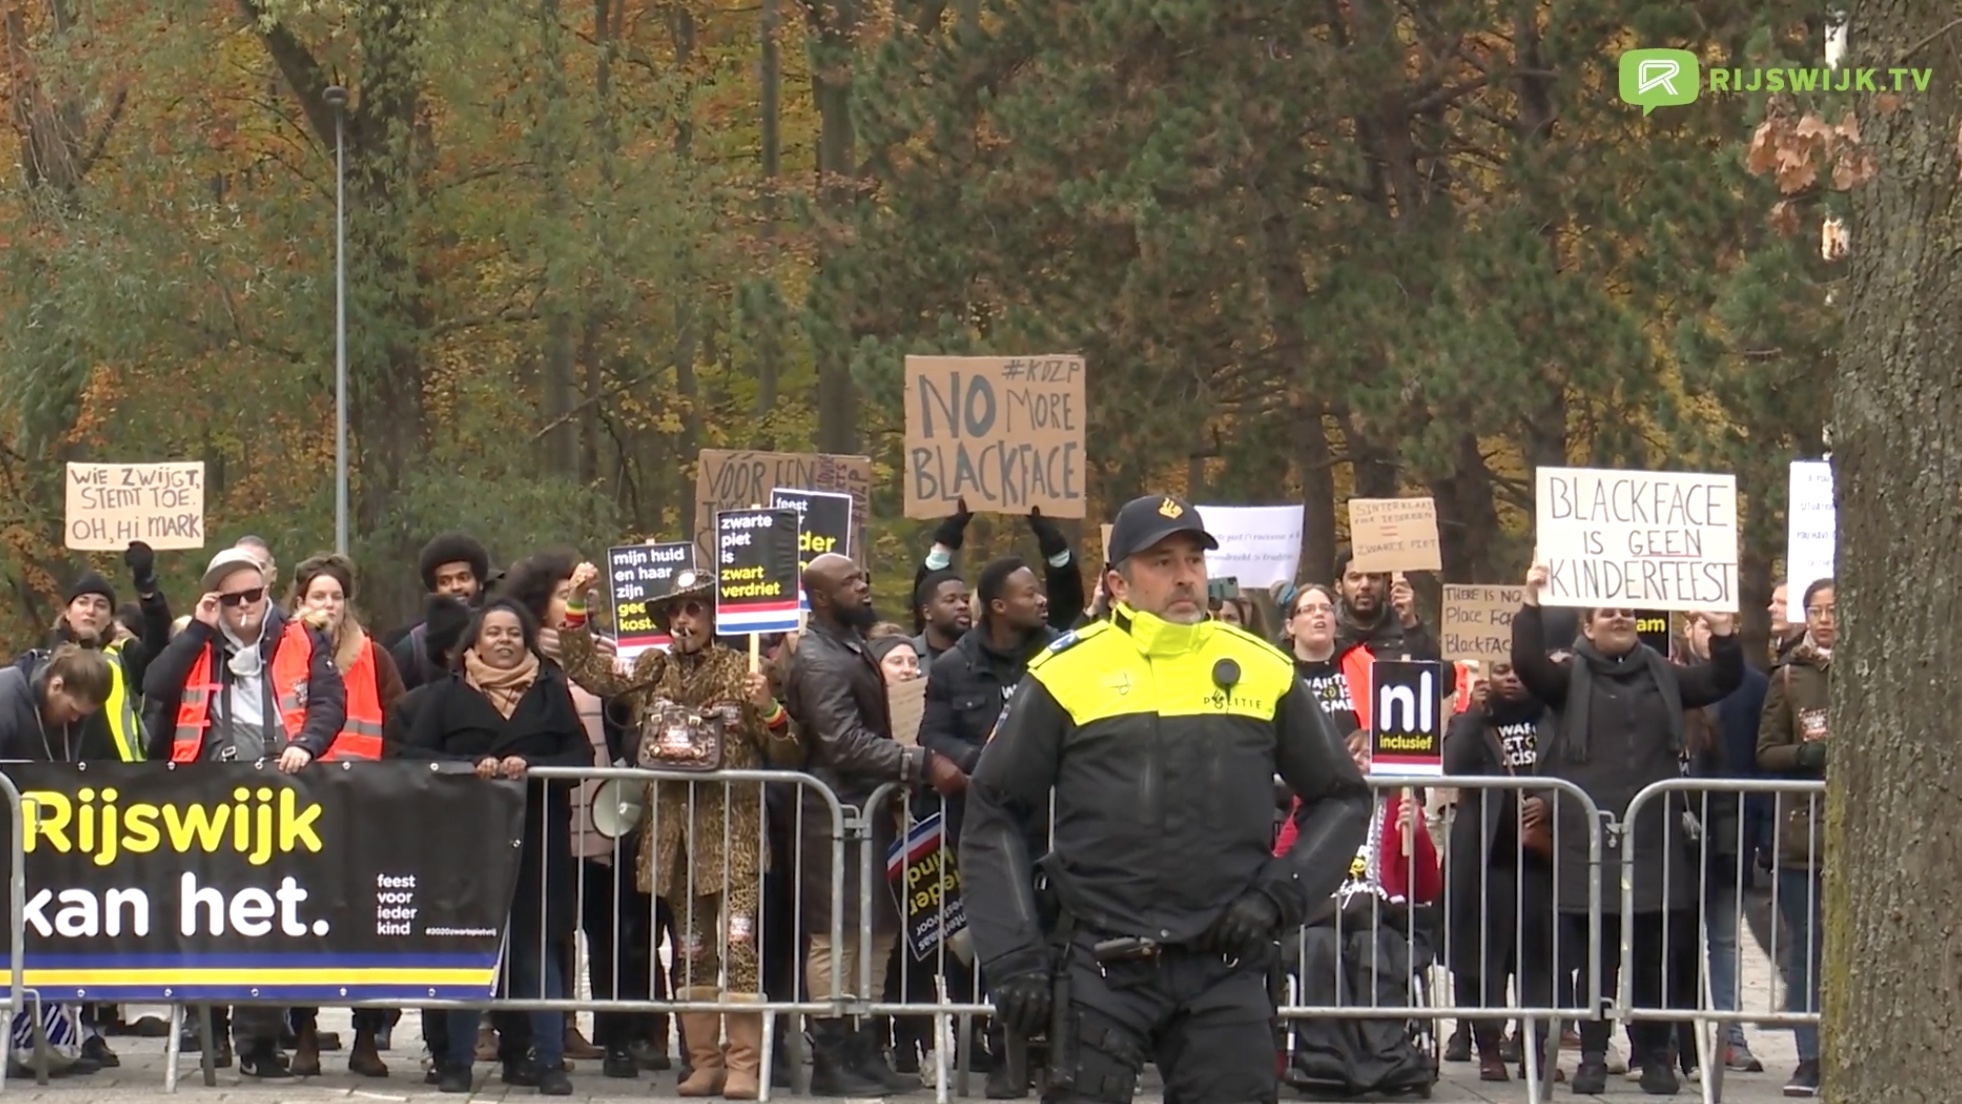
point(454, 565)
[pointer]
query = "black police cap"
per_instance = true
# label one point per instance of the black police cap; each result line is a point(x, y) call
point(1145, 521)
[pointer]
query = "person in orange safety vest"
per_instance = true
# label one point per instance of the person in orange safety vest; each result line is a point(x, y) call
point(243, 682)
point(323, 591)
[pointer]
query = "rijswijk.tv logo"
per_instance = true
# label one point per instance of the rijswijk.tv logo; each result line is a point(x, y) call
point(1652, 78)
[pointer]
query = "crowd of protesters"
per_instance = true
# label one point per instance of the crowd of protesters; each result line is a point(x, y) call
point(508, 670)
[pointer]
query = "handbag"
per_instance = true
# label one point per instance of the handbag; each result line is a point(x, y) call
point(1539, 838)
point(675, 737)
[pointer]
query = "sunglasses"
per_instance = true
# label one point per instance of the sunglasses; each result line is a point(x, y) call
point(693, 607)
point(243, 597)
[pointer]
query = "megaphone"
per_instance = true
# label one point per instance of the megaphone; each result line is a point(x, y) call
point(617, 805)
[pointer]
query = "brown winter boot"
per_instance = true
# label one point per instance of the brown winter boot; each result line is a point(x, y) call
point(745, 1053)
point(702, 1032)
point(1491, 1063)
point(365, 1059)
point(306, 1052)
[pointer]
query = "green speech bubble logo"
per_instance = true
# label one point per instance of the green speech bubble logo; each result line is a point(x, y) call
point(1660, 78)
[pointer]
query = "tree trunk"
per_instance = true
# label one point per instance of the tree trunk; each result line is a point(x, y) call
point(769, 343)
point(1315, 459)
point(1468, 517)
point(388, 298)
point(836, 24)
point(1894, 853)
point(559, 453)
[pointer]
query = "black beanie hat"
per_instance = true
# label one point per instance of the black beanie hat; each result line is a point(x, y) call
point(443, 624)
point(90, 582)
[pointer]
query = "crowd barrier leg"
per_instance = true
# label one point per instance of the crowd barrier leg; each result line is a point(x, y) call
point(172, 1051)
point(768, 1073)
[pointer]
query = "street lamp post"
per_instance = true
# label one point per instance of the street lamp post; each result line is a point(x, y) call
point(336, 98)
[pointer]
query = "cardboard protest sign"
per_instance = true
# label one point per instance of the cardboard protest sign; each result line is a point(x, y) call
point(636, 576)
point(906, 701)
point(111, 505)
point(1394, 534)
point(824, 525)
point(1637, 539)
point(1406, 719)
point(1477, 622)
point(1005, 433)
point(1258, 545)
point(730, 479)
point(1811, 525)
point(756, 571)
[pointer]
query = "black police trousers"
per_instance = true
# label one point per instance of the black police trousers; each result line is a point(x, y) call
point(1208, 1026)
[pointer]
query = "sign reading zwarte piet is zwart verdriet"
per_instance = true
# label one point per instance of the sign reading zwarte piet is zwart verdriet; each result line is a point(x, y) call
point(1637, 539)
point(1406, 722)
point(756, 571)
point(639, 574)
point(222, 882)
point(1003, 433)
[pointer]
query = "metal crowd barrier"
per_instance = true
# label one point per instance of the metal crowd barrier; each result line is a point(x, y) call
point(605, 902)
point(1712, 819)
point(1341, 981)
point(1416, 962)
point(18, 996)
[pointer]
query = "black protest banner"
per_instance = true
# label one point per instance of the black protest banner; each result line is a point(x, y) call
point(927, 884)
point(824, 526)
point(1652, 627)
point(637, 575)
point(1004, 433)
point(756, 571)
point(1406, 722)
point(824, 519)
point(220, 882)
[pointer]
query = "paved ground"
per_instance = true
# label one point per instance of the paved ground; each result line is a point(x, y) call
point(141, 1075)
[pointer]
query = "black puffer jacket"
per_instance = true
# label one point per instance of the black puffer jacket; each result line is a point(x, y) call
point(966, 692)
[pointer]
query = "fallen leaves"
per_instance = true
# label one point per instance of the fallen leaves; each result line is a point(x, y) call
point(1794, 149)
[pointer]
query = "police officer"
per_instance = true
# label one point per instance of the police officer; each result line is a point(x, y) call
point(1161, 732)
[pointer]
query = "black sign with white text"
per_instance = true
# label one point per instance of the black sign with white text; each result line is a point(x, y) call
point(217, 882)
point(1406, 720)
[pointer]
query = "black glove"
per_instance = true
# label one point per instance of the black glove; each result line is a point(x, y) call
point(1249, 923)
point(142, 564)
point(1048, 537)
point(1022, 1002)
point(1812, 756)
point(952, 531)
